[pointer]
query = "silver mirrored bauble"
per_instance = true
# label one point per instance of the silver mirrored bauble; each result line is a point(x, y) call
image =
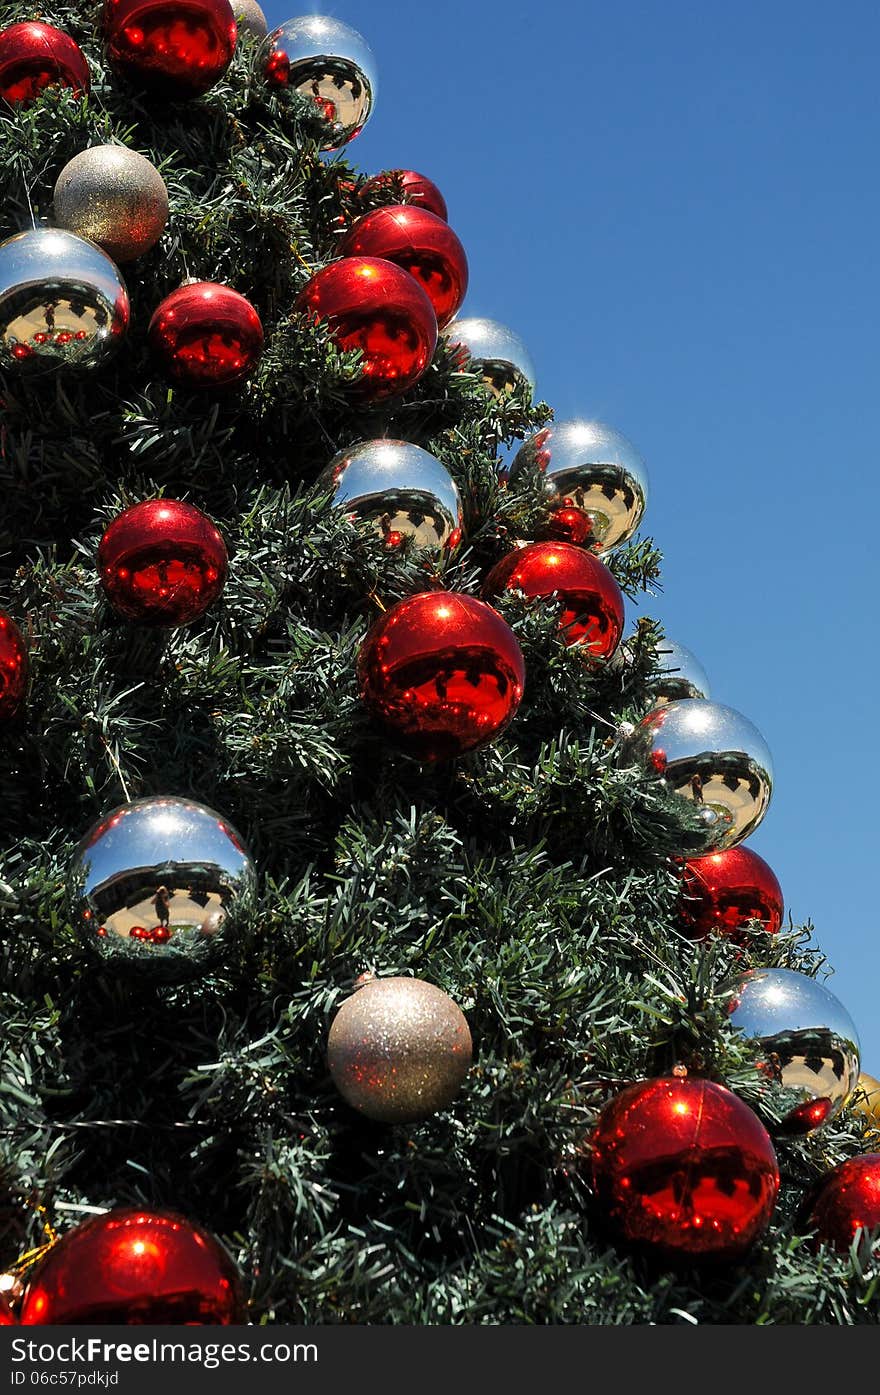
point(63, 303)
point(154, 882)
point(498, 353)
point(714, 757)
point(399, 488)
point(679, 674)
point(115, 197)
point(330, 62)
point(592, 468)
point(250, 18)
point(809, 1045)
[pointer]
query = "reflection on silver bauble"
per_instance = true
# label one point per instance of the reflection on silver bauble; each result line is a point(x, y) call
point(330, 62)
point(592, 468)
point(249, 18)
point(399, 488)
point(63, 303)
point(679, 674)
point(809, 1045)
point(495, 351)
point(154, 882)
point(714, 757)
point(113, 196)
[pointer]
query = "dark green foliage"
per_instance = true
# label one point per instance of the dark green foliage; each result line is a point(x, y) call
point(531, 881)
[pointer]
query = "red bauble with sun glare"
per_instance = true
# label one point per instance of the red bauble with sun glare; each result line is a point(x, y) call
point(135, 1268)
point(845, 1201)
point(13, 667)
point(178, 48)
point(442, 673)
point(420, 243)
point(34, 56)
point(723, 891)
point(375, 306)
point(684, 1168)
point(206, 335)
point(162, 563)
point(592, 601)
point(416, 189)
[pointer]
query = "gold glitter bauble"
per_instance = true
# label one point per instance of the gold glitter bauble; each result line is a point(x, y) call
point(250, 18)
point(867, 1103)
point(113, 196)
point(399, 1049)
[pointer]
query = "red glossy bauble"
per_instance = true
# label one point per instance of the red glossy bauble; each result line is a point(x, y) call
point(845, 1201)
point(723, 891)
point(162, 563)
point(570, 525)
point(206, 335)
point(592, 601)
point(683, 1167)
point(135, 1268)
point(416, 188)
point(34, 56)
point(442, 673)
point(178, 47)
point(13, 667)
point(421, 243)
point(375, 306)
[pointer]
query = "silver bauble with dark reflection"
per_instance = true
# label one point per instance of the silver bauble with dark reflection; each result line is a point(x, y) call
point(809, 1045)
point(493, 350)
point(330, 62)
point(589, 467)
point(399, 488)
point(679, 674)
point(154, 883)
point(714, 757)
point(114, 197)
point(63, 302)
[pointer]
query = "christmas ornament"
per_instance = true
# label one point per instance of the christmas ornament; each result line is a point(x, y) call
point(809, 1045)
point(442, 673)
point(713, 757)
point(590, 468)
point(679, 675)
point(162, 563)
point(113, 196)
point(166, 862)
point(683, 1167)
point(490, 348)
point(413, 188)
point(206, 335)
point(135, 1268)
point(724, 891)
point(845, 1202)
point(63, 303)
point(867, 1102)
point(326, 60)
point(34, 56)
point(377, 307)
point(399, 488)
point(249, 19)
point(421, 243)
point(592, 602)
point(177, 48)
point(13, 667)
point(9, 1293)
point(399, 1049)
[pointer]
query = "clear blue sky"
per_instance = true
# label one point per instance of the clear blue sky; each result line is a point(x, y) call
point(677, 206)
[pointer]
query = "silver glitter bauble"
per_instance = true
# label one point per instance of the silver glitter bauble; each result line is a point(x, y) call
point(399, 488)
point(592, 469)
point(63, 303)
point(399, 1049)
point(713, 757)
point(493, 350)
point(250, 18)
point(809, 1045)
point(154, 882)
point(328, 61)
point(114, 197)
point(679, 674)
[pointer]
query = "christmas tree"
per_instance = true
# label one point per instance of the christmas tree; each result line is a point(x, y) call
point(368, 900)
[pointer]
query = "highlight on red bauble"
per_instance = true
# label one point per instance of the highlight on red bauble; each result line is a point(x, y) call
point(34, 56)
point(420, 243)
point(592, 602)
point(206, 335)
point(178, 48)
point(724, 891)
point(162, 562)
point(415, 188)
point(845, 1201)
